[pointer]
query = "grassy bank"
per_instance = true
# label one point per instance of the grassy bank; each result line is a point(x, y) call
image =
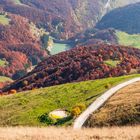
point(25, 108)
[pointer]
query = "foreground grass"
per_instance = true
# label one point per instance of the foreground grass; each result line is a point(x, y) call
point(4, 79)
point(114, 133)
point(25, 108)
point(128, 40)
point(121, 109)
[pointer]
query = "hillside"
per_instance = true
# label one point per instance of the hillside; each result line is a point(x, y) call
point(80, 64)
point(124, 19)
point(30, 30)
point(63, 17)
point(19, 48)
point(26, 108)
point(95, 36)
point(121, 110)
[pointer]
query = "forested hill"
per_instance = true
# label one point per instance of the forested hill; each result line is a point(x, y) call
point(79, 64)
point(125, 19)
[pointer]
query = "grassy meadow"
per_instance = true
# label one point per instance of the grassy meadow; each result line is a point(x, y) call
point(24, 109)
point(128, 40)
point(4, 20)
point(17, 2)
point(4, 79)
point(58, 47)
point(112, 63)
point(3, 63)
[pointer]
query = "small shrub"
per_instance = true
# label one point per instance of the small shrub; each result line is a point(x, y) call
point(46, 119)
point(107, 86)
point(33, 88)
point(25, 83)
point(76, 111)
point(81, 106)
point(13, 91)
point(64, 120)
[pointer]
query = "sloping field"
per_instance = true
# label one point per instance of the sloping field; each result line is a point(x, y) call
point(26, 108)
point(122, 109)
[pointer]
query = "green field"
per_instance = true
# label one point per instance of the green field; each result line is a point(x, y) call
point(25, 108)
point(2, 63)
point(4, 79)
point(128, 40)
point(17, 2)
point(4, 20)
point(112, 63)
point(57, 48)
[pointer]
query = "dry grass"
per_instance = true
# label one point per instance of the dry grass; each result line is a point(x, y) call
point(122, 109)
point(25, 133)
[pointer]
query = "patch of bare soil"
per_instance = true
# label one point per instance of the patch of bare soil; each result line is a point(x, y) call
point(114, 133)
point(122, 109)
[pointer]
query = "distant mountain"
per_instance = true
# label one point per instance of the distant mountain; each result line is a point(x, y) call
point(126, 19)
point(63, 17)
point(108, 36)
point(27, 28)
point(95, 36)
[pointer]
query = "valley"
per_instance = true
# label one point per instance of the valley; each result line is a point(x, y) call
point(54, 24)
point(57, 57)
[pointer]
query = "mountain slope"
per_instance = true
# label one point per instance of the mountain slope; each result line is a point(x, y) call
point(19, 48)
point(63, 17)
point(125, 19)
point(21, 45)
